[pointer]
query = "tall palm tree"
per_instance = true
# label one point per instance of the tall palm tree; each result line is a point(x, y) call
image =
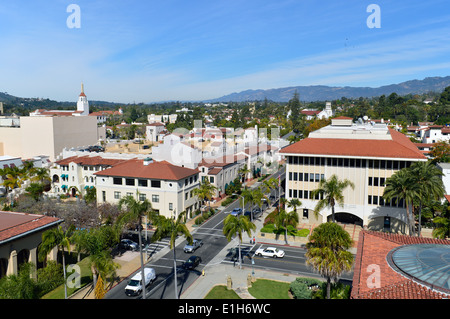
point(402, 186)
point(428, 177)
point(235, 226)
point(327, 252)
point(41, 174)
point(258, 197)
point(330, 192)
point(136, 210)
point(172, 228)
point(269, 184)
point(244, 171)
point(206, 190)
point(283, 219)
point(56, 237)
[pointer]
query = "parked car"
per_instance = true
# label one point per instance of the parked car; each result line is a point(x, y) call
point(270, 252)
point(96, 148)
point(236, 212)
point(249, 214)
point(256, 211)
point(196, 243)
point(134, 286)
point(128, 244)
point(192, 262)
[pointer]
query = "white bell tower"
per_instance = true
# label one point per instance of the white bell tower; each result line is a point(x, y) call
point(82, 103)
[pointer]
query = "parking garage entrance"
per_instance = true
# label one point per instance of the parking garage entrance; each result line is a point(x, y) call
point(347, 218)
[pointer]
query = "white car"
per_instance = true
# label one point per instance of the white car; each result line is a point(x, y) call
point(270, 252)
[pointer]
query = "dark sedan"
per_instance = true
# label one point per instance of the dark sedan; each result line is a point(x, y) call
point(192, 262)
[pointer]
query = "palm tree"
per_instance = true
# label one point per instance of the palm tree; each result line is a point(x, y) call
point(327, 252)
point(235, 226)
point(206, 190)
point(135, 211)
point(428, 177)
point(172, 228)
point(56, 237)
point(269, 184)
point(330, 192)
point(283, 219)
point(97, 243)
point(402, 186)
point(442, 229)
point(258, 197)
point(294, 203)
point(244, 171)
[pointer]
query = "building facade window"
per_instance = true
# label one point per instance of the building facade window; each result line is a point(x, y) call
point(155, 198)
point(116, 195)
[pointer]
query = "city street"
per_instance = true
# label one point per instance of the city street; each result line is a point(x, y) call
point(214, 242)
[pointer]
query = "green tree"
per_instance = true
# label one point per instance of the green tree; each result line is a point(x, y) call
point(330, 192)
point(442, 229)
point(35, 190)
point(91, 195)
point(401, 186)
point(294, 203)
point(56, 237)
point(294, 106)
point(430, 186)
point(327, 252)
point(136, 210)
point(235, 226)
point(440, 152)
point(283, 219)
point(206, 190)
point(170, 227)
point(20, 286)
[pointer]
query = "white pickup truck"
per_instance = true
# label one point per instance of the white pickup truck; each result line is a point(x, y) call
point(134, 286)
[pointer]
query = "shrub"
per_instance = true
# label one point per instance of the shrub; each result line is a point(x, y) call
point(269, 228)
point(270, 219)
point(199, 220)
point(303, 288)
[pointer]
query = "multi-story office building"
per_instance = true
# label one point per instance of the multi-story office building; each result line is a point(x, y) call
point(367, 154)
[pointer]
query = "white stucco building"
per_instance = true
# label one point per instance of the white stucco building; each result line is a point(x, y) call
point(169, 188)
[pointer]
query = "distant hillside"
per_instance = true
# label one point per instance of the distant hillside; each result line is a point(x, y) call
point(323, 93)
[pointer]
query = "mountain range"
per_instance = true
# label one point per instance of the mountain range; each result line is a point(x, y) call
point(324, 93)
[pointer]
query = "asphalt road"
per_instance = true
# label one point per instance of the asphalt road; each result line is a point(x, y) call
point(163, 287)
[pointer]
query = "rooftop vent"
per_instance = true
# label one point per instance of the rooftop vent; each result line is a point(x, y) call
point(148, 160)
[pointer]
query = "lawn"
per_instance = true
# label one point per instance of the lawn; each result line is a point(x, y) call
point(261, 289)
point(269, 289)
point(86, 277)
point(221, 292)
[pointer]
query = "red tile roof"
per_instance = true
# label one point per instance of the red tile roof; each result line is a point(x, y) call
point(13, 224)
point(373, 248)
point(157, 170)
point(399, 147)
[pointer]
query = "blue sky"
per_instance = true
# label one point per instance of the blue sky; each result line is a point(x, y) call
point(148, 51)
